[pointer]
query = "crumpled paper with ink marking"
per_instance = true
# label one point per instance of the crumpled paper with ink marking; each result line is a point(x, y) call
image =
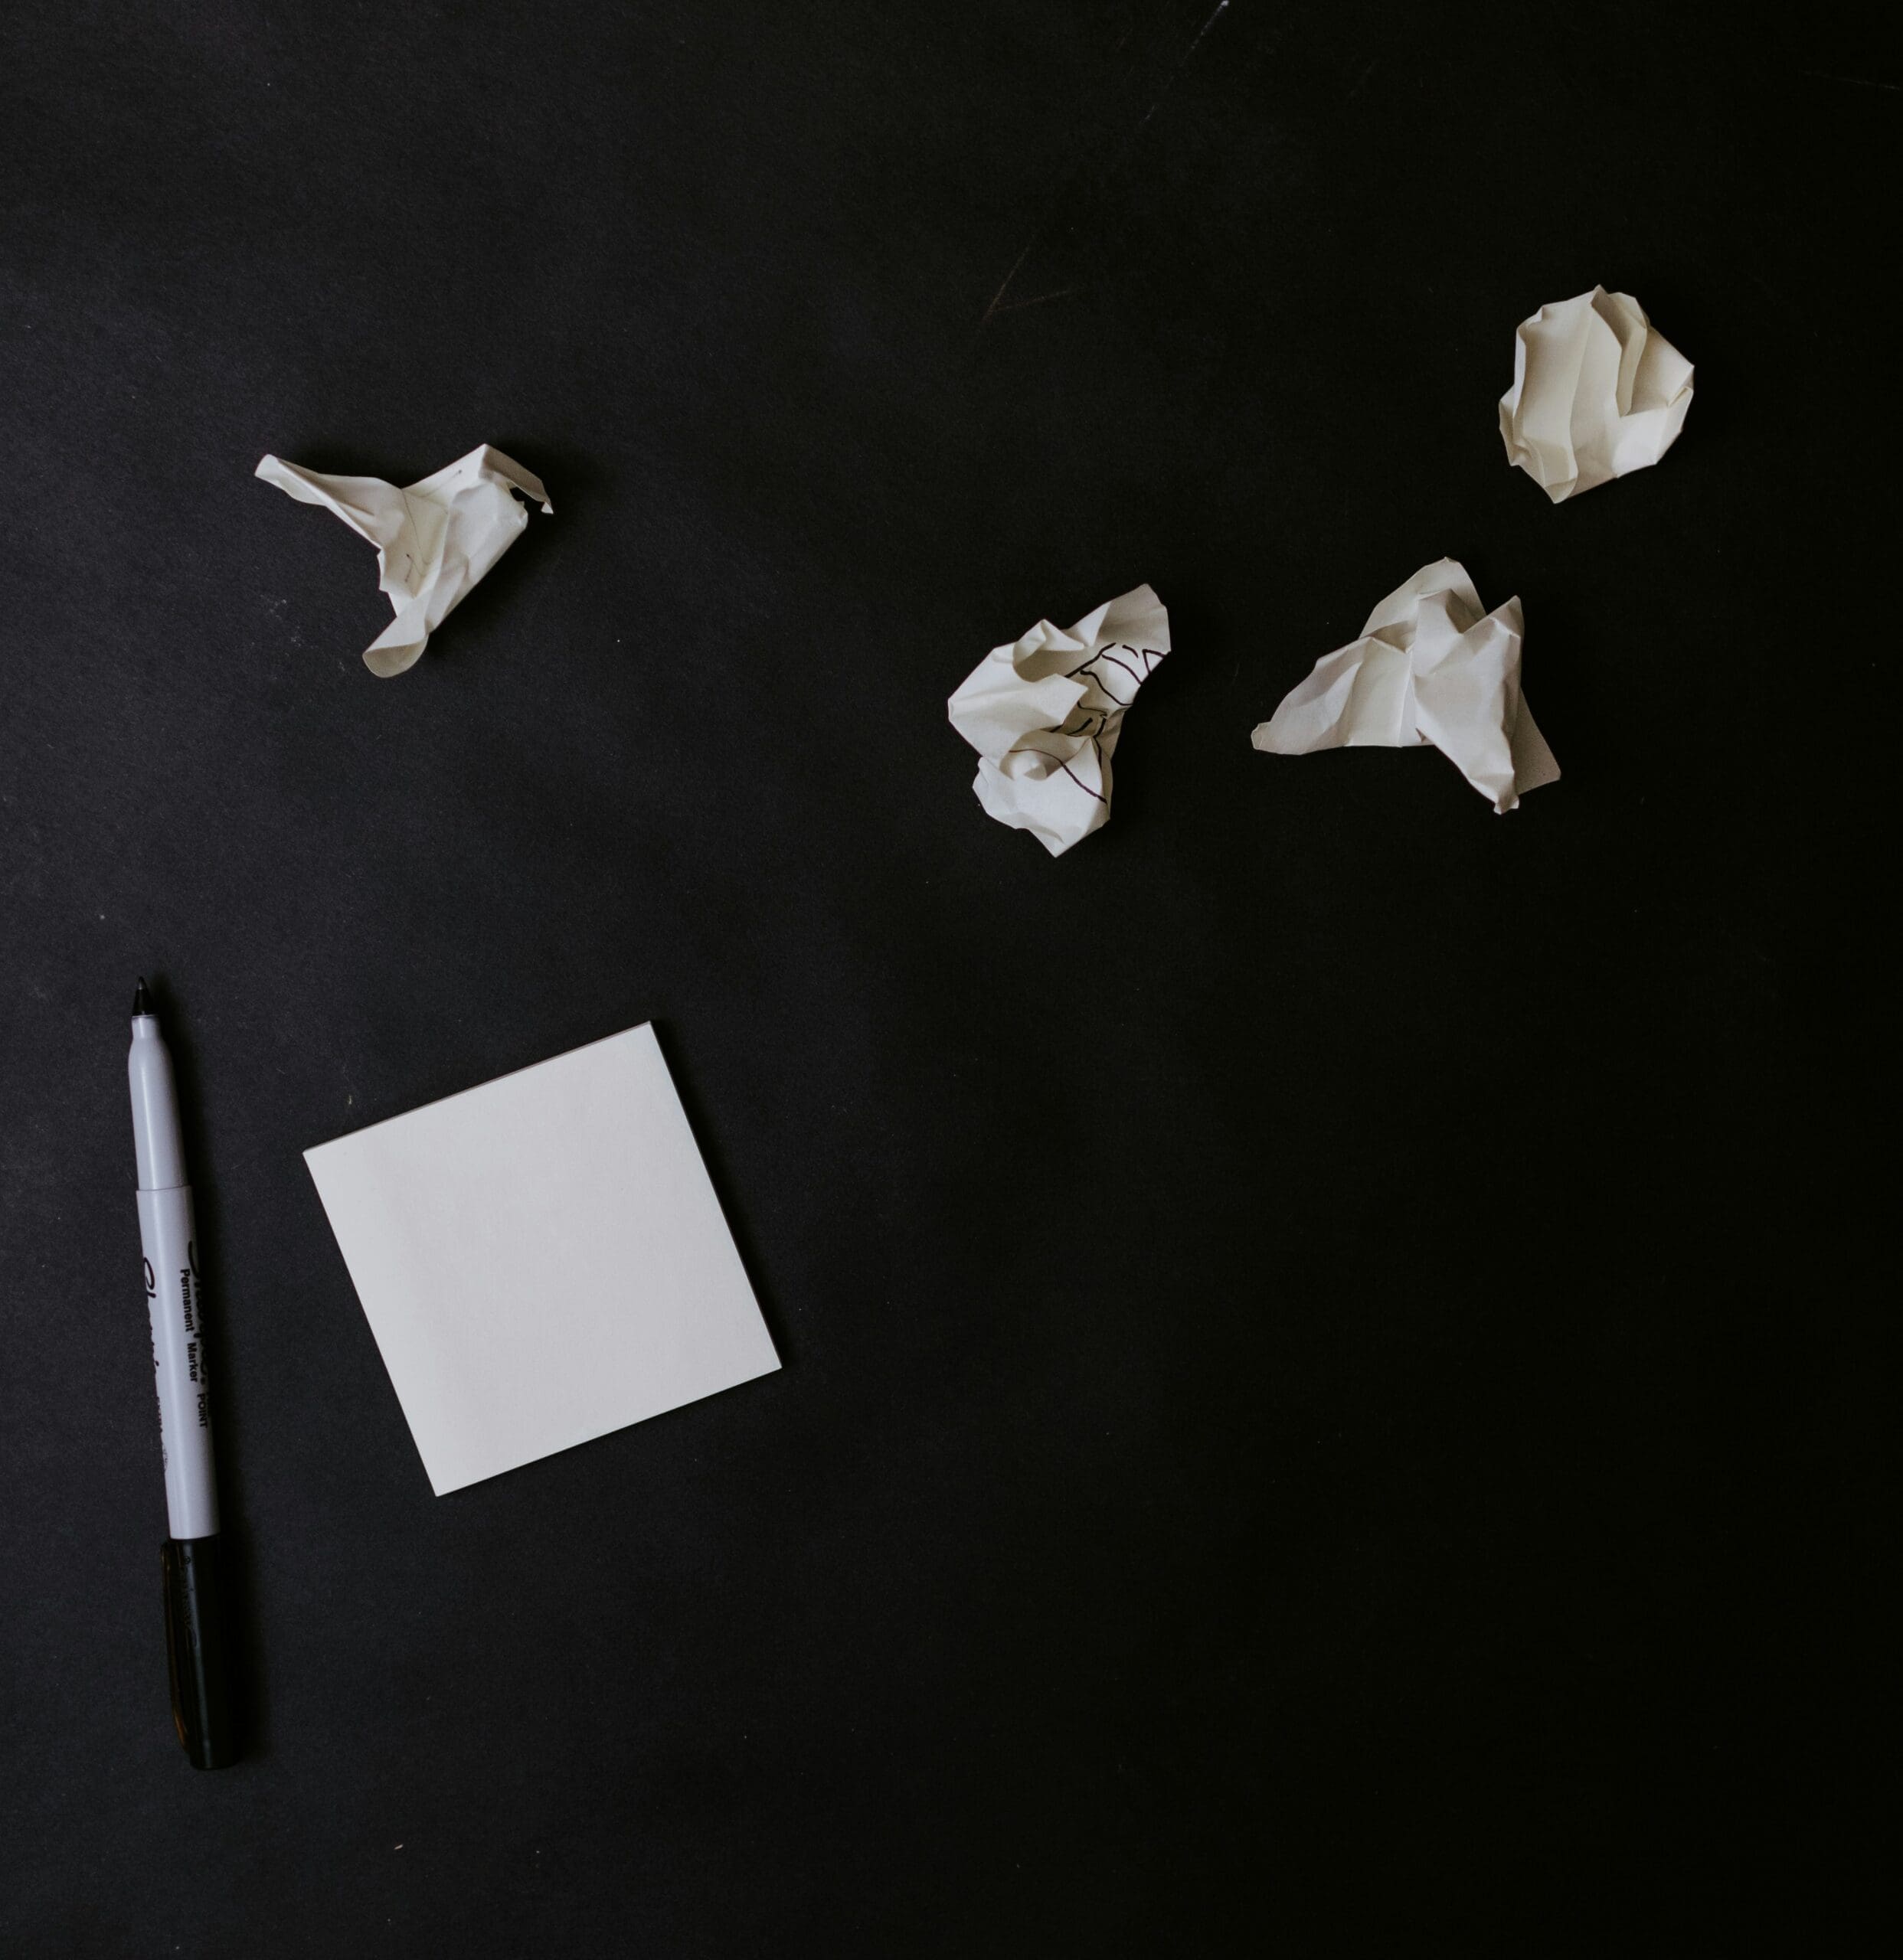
point(1045, 714)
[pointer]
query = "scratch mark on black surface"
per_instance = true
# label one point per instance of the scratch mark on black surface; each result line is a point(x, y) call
point(997, 299)
point(1222, 6)
point(1006, 286)
point(1363, 82)
point(1855, 81)
point(1017, 305)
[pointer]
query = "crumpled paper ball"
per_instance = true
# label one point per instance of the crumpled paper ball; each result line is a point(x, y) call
point(1430, 666)
point(1596, 392)
point(436, 540)
point(1045, 712)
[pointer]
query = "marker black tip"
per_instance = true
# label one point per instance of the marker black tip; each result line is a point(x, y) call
point(141, 1000)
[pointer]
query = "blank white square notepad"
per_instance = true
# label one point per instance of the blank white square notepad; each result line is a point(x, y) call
point(542, 1259)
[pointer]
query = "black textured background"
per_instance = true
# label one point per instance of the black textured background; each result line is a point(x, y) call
point(1299, 1341)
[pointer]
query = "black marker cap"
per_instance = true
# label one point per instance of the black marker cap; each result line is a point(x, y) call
point(196, 1646)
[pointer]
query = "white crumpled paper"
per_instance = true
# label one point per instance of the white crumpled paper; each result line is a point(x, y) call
point(1430, 666)
point(1045, 712)
point(434, 540)
point(1596, 392)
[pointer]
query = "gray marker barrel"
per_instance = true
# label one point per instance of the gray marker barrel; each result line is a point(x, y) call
point(195, 1616)
point(172, 1288)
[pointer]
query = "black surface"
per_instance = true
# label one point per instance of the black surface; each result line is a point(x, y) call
point(1299, 1346)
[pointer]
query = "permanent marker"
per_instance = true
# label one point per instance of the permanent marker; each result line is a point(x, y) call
point(195, 1640)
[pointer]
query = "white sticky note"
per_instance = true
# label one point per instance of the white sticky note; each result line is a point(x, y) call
point(542, 1259)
